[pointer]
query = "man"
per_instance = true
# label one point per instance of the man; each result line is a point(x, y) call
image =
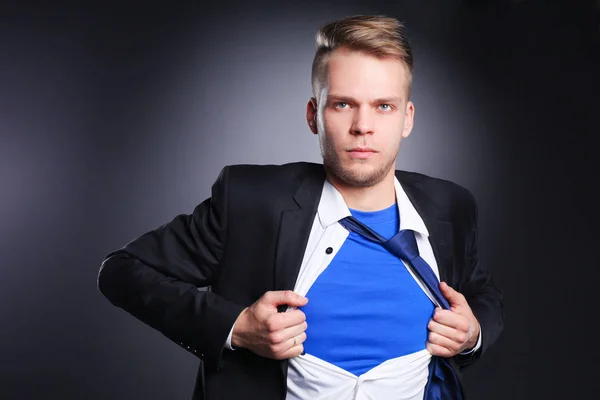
point(302, 304)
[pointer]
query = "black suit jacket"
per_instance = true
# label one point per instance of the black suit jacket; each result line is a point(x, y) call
point(249, 238)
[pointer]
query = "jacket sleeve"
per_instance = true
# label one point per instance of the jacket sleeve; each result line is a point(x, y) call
point(156, 278)
point(481, 292)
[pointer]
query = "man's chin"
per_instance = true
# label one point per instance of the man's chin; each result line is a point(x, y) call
point(359, 175)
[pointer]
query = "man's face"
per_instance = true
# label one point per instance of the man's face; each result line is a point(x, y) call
point(363, 113)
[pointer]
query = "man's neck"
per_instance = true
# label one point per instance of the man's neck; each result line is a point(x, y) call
point(371, 198)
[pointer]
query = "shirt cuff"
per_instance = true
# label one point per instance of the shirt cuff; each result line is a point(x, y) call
point(228, 341)
point(477, 346)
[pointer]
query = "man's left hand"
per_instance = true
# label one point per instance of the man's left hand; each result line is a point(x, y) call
point(452, 331)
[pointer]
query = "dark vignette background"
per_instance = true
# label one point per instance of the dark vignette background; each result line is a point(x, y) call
point(115, 117)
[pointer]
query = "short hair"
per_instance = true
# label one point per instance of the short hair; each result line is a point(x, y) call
point(376, 35)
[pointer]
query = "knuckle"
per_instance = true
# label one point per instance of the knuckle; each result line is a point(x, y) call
point(273, 348)
point(267, 295)
point(299, 316)
point(272, 324)
point(274, 337)
point(302, 337)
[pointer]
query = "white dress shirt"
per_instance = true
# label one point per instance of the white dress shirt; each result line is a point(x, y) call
point(401, 378)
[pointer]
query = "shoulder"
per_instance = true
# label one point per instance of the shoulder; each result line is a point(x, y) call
point(439, 189)
point(268, 174)
point(267, 179)
point(451, 198)
point(272, 171)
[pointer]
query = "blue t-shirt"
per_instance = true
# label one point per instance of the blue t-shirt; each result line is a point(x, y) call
point(366, 308)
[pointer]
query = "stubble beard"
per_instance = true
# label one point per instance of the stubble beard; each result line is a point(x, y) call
point(354, 177)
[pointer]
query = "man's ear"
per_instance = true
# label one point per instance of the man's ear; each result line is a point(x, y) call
point(311, 115)
point(409, 119)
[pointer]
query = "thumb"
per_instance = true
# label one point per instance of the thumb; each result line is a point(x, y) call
point(285, 297)
point(453, 297)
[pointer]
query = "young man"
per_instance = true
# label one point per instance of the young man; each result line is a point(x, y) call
point(304, 300)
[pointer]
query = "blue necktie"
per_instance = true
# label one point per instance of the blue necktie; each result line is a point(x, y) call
point(442, 383)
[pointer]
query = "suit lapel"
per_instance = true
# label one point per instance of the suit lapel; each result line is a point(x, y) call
point(440, 231)
point(440, 239)
point(295, 227)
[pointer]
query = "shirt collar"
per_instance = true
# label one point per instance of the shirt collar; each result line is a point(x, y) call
point(333, 208)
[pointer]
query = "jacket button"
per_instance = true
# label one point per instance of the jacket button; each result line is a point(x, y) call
point(329, 250)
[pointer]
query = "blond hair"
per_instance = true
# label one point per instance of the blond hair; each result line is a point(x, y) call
point(380, 36)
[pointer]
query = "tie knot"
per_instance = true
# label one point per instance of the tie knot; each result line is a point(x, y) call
point(403, 244)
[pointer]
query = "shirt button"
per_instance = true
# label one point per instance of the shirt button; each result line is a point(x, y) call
point(329, 250)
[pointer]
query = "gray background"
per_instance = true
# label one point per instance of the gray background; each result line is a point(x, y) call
point(115, 118)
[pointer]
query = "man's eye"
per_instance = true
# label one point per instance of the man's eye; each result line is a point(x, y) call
point(341, 105)
point(385, 107)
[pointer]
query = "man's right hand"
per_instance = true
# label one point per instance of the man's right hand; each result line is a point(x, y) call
point(268, 333)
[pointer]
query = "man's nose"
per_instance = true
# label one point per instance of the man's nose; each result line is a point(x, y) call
point(363, 122)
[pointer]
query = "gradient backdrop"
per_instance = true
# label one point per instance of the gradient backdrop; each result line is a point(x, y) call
point(114, 119)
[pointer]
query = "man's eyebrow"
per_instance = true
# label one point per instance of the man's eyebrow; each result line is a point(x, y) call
point(393, 99)
point(349, 99)
point(345, 99)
